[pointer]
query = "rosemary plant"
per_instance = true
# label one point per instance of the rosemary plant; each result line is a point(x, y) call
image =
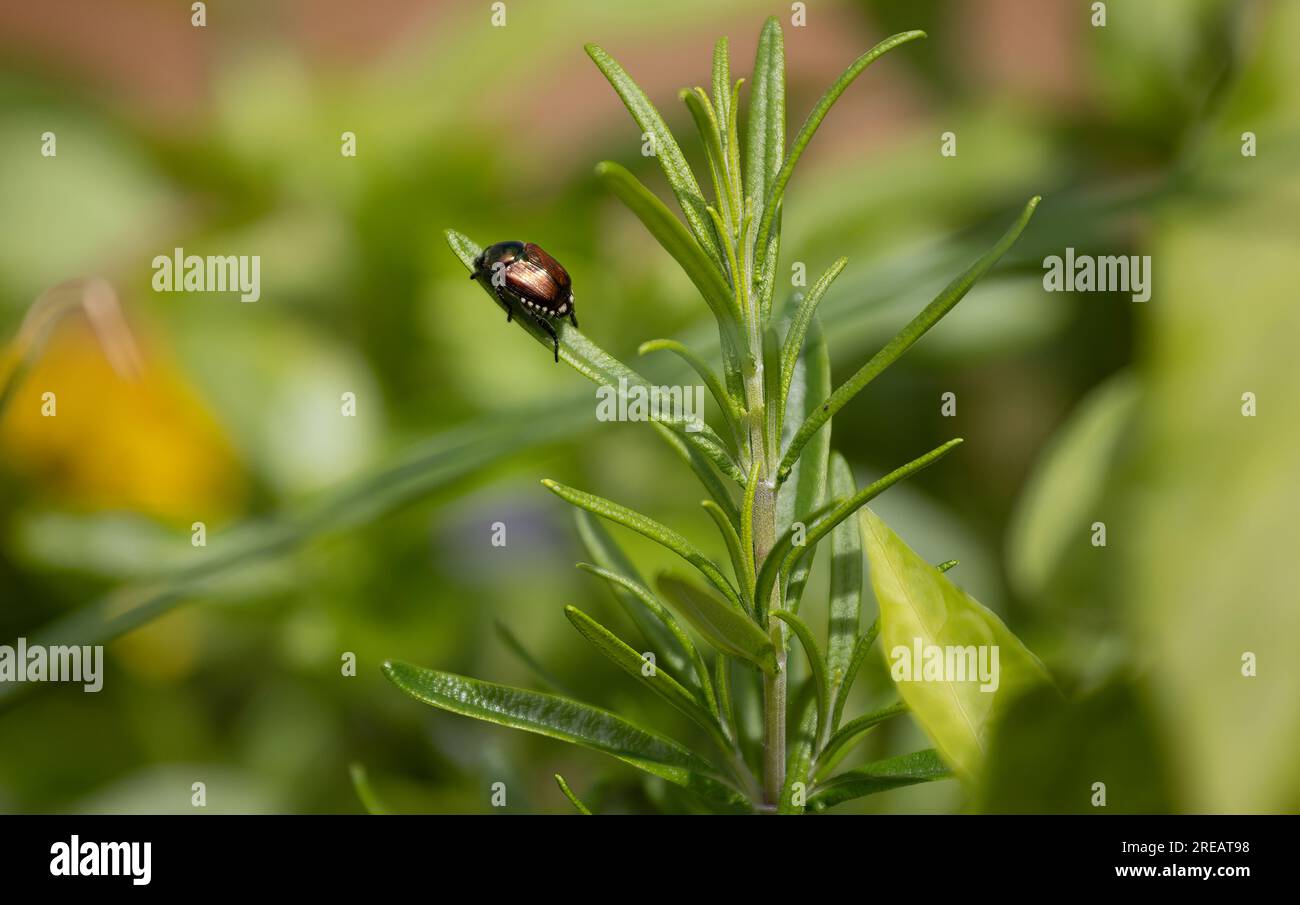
point(776, 492)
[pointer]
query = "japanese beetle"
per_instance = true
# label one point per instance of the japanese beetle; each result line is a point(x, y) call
point(522, 272)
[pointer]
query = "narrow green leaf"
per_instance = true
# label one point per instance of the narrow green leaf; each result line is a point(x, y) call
point(653, 676)
point(799, 324)
point(845, 738)
point(646, 598)
point(953, 293)
point(361, 785)
point(880, 776)
point(648, 527)
point(921, 613)
point(517, 647)
point(816, 663)
point(710, 477)
point(667, 152)
point(646, 615)
point(730, 410)
point(563, 719)
point(740, 563)
point(855, 664)
point(706, 123)
point(814, 120)
point(765, 131)
point(573, 799)
point(725, 627)
point(785, 555)
point(846, 586)
point(722, 79)
point(800, 497)
point(599, 366)
point(726, 705)
point(799, 759)
point(673, 237)
point(732, 143)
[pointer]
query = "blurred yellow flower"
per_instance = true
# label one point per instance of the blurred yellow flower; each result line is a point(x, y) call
point(84, 433)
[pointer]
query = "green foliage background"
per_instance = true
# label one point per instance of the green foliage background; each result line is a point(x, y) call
point(371, 534)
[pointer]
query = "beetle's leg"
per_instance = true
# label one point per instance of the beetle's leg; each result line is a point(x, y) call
point(555, 337)
point(573, 318)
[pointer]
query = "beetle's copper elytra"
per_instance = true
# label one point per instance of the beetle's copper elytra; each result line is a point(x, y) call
point(523, 273)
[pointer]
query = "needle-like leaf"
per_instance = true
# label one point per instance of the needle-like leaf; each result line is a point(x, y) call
point(636, 588)
point(843, 740)
point(741, 565)
point(785, 554)
point(563, 719)
point(803, 317)
point(859, 656)
point(573, 799)
point(669, 232)
point(648, 527)
point(880, 776)
point(667, 152)
point(953, 293)
point(730, 410)
point(650, 674)
point(814, 120)
point(765, 149)
point(648, 616)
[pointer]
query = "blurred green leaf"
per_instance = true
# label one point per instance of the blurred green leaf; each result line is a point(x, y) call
point(1045, 755)
point(525, 656)
point(1062, 496)
point(361, 783)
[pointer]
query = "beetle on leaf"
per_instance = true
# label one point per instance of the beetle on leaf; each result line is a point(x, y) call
point(524, 273)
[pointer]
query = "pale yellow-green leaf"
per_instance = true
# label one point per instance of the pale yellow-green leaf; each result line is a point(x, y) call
point(917, 601)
